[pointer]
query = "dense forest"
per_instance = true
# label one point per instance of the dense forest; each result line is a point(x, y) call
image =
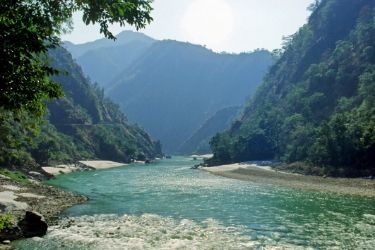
point(317, 103)
point(83, 124)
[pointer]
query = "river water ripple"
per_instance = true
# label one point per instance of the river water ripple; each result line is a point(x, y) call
point(166, 205)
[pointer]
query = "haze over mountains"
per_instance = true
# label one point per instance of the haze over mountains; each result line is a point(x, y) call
point(198, 143)
point(170, 88)
point(103, 59)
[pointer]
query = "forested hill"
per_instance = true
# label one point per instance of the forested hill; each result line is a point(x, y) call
point(174, 87)
point(83, 124)
point(317, 103)
point(198, 143)
point(91, 118)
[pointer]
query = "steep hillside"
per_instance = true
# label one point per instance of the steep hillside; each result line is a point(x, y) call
point(199, 142)
point(175, 87)
point(103, 59)
point(316, 104)
point(93, 119)
point(83, 124)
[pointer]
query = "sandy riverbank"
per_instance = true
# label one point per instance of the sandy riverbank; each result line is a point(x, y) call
point(102, 164)
point(60, 169)
point(82, 165)
point(266, 175)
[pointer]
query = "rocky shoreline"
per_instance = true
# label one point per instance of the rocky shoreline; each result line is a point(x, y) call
point(26, 202)
point(31, 203)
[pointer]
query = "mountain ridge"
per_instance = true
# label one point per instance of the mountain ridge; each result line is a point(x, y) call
point(168, 74)
point(196, 80)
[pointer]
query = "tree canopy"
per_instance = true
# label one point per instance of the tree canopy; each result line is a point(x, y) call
point(316, 104)
point(29, 28)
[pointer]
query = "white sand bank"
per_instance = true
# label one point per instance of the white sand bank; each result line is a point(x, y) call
point(222, 168)
point(234, 166)
point(102, 164)
point(65, 169)
point(60, 169)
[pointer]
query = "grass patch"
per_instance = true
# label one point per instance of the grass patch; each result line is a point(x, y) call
point(15, 176)
point(6, 221)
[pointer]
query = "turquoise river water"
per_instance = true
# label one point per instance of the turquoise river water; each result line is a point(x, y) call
point(167, 205)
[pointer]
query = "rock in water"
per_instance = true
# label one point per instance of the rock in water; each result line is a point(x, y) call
point(13, 233)
point(33, 224)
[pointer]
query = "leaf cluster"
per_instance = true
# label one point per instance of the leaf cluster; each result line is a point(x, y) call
point(6, 221)
point(29, 28)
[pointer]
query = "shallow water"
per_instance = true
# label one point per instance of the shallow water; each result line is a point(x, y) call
point(166, 205)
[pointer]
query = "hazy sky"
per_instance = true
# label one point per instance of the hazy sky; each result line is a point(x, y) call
point(222, 25)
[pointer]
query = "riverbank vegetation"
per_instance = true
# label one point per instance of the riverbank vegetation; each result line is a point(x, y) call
point(84, 124)
point(35, 127)
point(6, 221)
point(316, 104)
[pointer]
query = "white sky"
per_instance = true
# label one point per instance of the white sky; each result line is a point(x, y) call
point(221, 25)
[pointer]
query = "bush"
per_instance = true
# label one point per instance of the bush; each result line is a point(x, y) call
point(6, 221)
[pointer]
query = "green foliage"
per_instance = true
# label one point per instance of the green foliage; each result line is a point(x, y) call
point(16, 132)
point(29, 28)
point(96, 126)
point(15, 176)
point(316, 105)
point(6, 221)
point(82, 125)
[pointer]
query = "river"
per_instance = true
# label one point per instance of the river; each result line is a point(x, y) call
point(167, 205)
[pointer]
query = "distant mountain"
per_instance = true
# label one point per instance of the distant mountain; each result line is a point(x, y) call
point(123, 38)
point(170, 88)
point(198, 143)
point(317, 103)
point(175, 87)
point(103, 59)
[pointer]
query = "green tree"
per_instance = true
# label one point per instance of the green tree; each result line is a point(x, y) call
point(29, 28)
